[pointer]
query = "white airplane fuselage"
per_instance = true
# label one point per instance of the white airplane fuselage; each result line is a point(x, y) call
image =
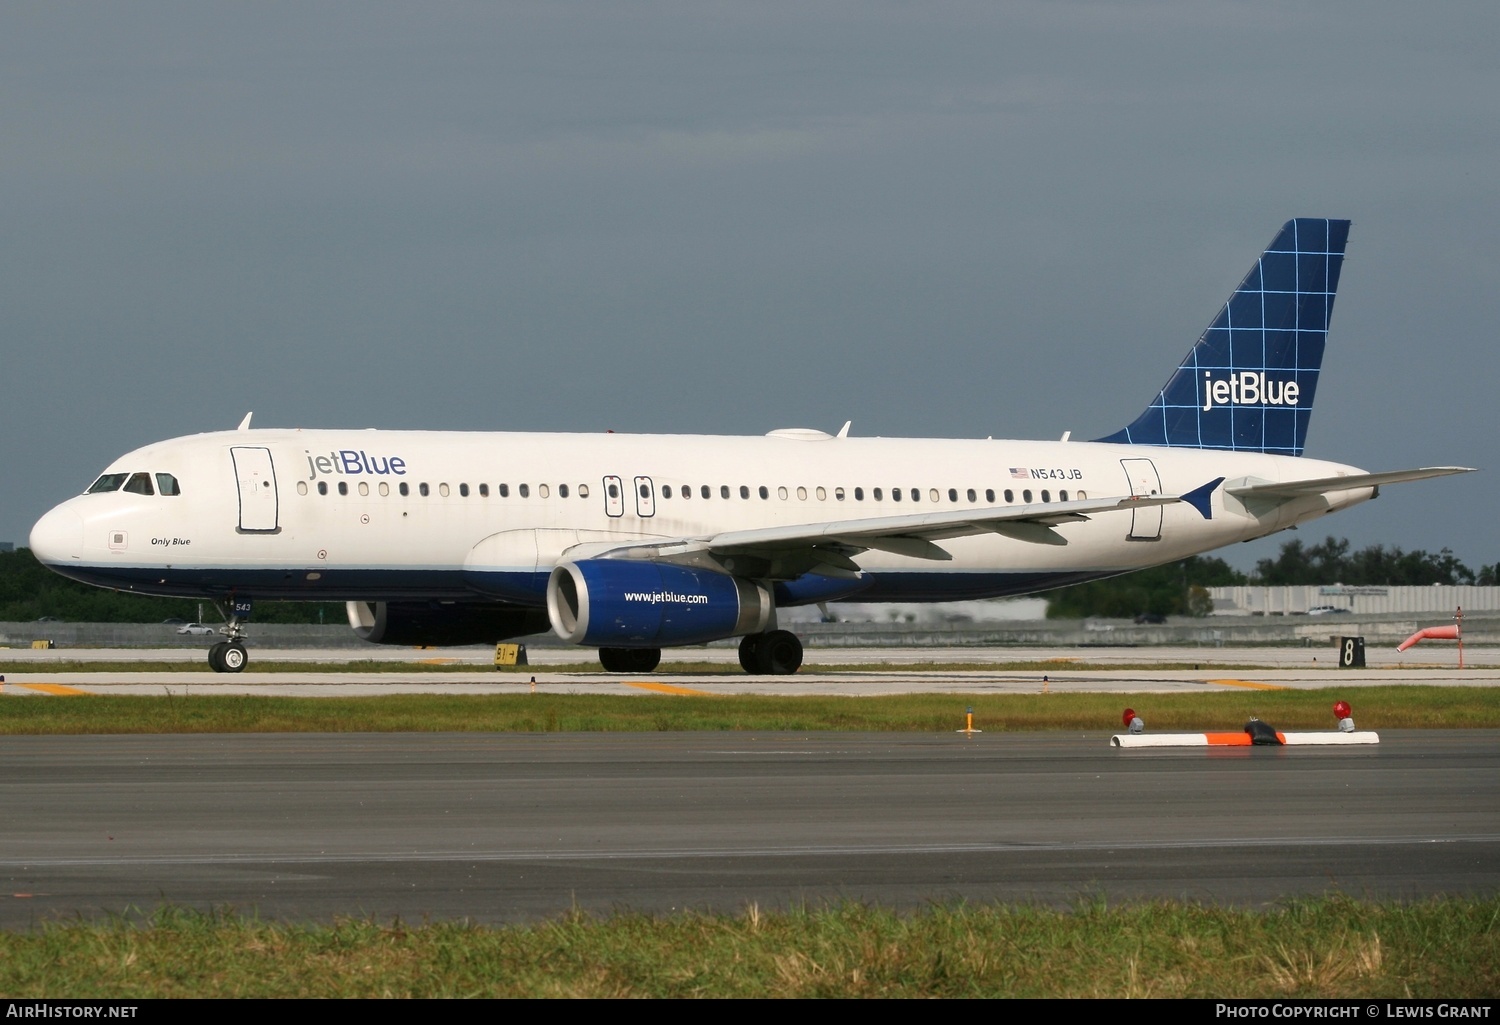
point(279, 535)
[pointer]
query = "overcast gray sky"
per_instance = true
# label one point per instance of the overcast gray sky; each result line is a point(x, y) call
point(935, 219)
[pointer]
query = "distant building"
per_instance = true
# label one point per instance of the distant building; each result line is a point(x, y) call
point(1332, 598)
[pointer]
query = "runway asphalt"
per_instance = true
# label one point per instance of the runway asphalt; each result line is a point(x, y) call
point(499, 828)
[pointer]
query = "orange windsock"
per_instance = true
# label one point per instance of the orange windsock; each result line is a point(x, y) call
point(1431, 633)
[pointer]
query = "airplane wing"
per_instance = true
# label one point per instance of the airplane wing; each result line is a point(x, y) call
point(1249, 488)
point(828, 546)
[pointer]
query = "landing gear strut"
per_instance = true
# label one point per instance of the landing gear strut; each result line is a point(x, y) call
point(230, 656)
point(778, 653)
point(629, 660)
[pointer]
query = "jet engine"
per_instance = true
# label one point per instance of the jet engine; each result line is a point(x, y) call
point(622, 603)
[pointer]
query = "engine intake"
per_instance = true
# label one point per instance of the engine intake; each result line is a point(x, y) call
point(623, 604)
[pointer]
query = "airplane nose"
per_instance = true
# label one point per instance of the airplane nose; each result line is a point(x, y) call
point(58, 536)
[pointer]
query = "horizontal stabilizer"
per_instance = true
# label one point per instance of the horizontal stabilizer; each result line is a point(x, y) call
point(1324, 485)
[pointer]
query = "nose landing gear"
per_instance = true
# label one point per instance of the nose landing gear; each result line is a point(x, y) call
point(230, 656)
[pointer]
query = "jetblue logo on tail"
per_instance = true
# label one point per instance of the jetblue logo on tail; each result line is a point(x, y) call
point(1249, 383)
point(1248, 388)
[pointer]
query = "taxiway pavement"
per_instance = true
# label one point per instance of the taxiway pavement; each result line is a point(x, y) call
point(499, 828)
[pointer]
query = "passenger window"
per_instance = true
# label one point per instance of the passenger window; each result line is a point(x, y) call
point(895, 494)
point(1062, 496)
point(484, 491)
point(1026, 496)
point(1009, 496)
point(613, 490)
point(973, 497)
point(1083, 495)
point(875, 494)
point(166, 484)
point(838, 494)
point(139, 484)
point(343, 487)
point(443, 490)
point(109, 482)
point(524, 490)
point(822, 495)
point(583, 491)
point(543, 491)
point(1046, 495)
point(322, 487)
point(463, 491)
point(859, 494)
point(422, 489)
point(952, 495)
point(666, 491)
point(302, 487)
point(781, 493)
point(504, 490)
point(562, 491)
point(385, 489)
point(687, 491)
point(744, 491)
point(706, 492)
point(764, 492)
point(364, 488)
point(405, 489)
point(645, 490)
point(932, 495)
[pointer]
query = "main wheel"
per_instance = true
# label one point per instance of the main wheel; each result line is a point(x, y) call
point(629, 660)
point(750, 653)
point(234, 657)
point(216, 657)
point(780, 653)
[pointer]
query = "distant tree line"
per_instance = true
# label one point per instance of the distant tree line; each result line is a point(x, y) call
point(29, 591)
point(1181, 588)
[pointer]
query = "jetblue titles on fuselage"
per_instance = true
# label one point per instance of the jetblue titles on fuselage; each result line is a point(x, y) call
point(352, 462)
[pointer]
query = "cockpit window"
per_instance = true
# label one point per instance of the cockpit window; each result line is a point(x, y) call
point(108, 482)
point(139, 484)
point(166, 484)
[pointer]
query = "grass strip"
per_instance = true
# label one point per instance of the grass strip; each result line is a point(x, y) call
point(1328, 947)
point(1404, 707)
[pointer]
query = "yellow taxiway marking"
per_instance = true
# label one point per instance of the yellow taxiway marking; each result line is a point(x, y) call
point(53, 688)
point(1250, 684)
point(667, 688)
point(436, 661)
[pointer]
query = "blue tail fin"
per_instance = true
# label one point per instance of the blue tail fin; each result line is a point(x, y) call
point(1249, 383)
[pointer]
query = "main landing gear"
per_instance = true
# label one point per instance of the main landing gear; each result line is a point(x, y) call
point(629, 660)
point(778, 653)
point(230, 656)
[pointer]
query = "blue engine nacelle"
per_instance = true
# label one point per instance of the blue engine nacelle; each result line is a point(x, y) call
point(622, 603)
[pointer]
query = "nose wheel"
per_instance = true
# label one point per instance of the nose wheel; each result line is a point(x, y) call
point(228, 657)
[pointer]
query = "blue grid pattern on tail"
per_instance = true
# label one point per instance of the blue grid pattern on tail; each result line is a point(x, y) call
point(1249, 383)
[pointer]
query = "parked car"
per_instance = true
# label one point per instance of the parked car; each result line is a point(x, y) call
point(1326, 610)
point(1150, 618)
point(197, 629)
point(47, 619)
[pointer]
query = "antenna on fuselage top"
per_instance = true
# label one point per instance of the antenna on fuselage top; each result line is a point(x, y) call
point(844, 430)
point(245, 423)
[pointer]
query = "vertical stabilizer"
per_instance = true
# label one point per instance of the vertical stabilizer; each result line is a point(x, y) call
point(1248, 385)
